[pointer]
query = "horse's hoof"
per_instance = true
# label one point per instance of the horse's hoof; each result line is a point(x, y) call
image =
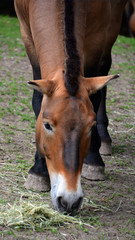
point(94, 173)
point(106, 148)
point(38, 183)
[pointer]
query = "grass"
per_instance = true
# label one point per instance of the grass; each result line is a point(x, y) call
point(11, 38)
point(124, 45)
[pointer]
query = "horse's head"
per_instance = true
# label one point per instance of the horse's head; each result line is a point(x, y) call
point(63, 136)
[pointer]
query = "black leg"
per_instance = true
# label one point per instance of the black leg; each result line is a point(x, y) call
point(39, 167)
point(94, 157)
point(102, 119)
point(93, 168)
point(37, 96)
point(36, 102)
point(38, 177)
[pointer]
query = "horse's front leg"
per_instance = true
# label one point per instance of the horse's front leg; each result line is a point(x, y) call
point(94, 166)
point(38, 177)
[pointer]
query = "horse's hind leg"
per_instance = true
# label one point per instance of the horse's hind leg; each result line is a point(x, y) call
point(94, 167)
point(102, 119)
point(102, 124)
point(38, 177)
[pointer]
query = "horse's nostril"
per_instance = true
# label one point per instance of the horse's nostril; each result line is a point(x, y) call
point(77, 204)
point(62, 203)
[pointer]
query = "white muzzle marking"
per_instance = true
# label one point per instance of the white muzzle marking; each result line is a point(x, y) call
point(62, 198)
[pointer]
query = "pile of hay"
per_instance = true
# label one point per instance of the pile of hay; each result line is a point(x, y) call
point(26, 215)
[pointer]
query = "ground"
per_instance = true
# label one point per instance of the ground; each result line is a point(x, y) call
point(109, 206)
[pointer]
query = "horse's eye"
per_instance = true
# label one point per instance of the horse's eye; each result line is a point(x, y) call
point(48, 126)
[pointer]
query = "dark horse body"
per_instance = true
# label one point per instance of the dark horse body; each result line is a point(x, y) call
point(67, 42)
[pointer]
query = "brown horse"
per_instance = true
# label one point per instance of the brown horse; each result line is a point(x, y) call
point(66, 40)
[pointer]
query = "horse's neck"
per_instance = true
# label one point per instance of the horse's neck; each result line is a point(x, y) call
point(48, 32)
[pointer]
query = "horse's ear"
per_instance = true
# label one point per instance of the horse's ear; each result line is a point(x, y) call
point(45, 86)
point(96, 83)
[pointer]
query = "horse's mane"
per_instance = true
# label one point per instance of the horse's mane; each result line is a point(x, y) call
point(72, 63)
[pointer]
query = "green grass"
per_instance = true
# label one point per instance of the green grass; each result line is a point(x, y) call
point(11, 88)
point(11, 38)
point(123, 45)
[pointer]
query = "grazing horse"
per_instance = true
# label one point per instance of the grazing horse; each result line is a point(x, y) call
point(69, 46)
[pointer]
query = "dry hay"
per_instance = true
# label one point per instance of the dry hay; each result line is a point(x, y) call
point(27, 215)
point(32, 216)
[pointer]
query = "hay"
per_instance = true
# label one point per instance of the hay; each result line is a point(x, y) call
point(32, 216)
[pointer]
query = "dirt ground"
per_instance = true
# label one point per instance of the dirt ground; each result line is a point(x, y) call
point(115, 216)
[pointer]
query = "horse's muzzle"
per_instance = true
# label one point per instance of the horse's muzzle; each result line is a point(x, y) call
point(65, 206)
point(64, 199)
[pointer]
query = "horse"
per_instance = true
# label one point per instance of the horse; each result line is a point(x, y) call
point(69, 43)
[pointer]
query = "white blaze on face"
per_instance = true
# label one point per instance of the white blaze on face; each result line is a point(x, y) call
point(59, 190)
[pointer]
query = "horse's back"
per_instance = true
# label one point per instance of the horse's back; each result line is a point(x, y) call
point(96, 26)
